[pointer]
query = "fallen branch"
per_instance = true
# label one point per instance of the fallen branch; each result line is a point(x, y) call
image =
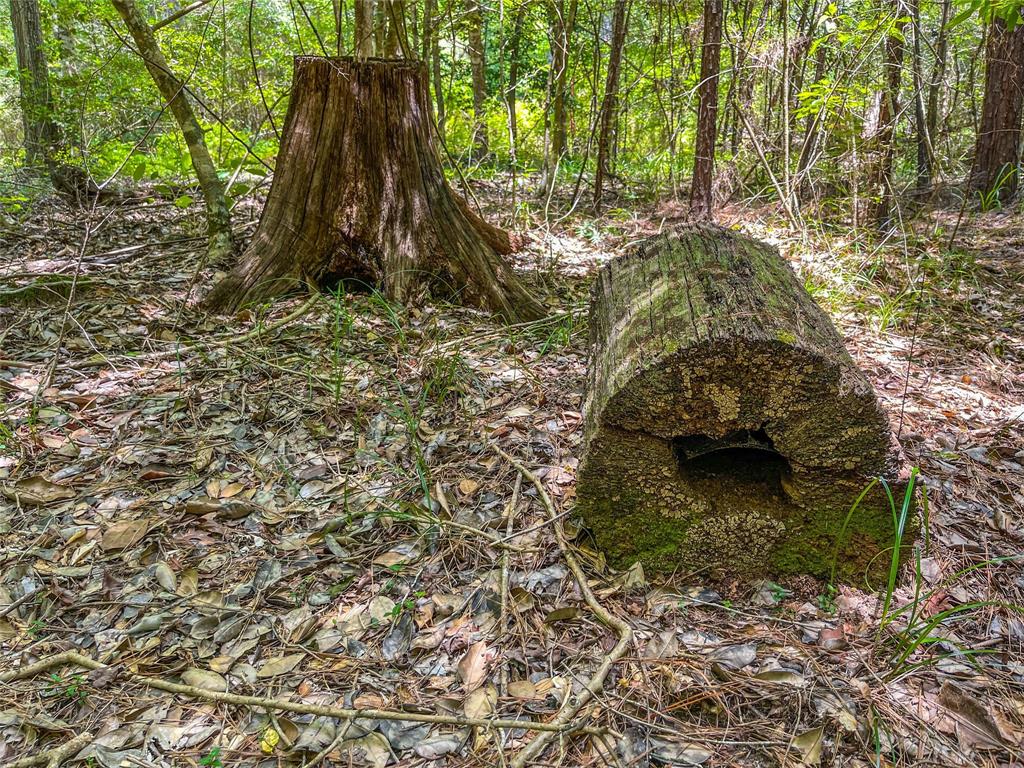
point(77, 659)
point(52, 758)
point(529, 754)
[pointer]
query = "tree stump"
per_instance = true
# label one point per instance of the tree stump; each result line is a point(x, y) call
point(359, 195)
point(727, 429)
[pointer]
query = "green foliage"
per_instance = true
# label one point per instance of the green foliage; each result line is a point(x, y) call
point(212, 758)
point(71, 688)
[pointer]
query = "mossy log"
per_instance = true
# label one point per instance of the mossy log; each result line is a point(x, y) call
point(728, 430)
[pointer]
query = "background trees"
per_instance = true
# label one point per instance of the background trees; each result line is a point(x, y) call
point(835, 106)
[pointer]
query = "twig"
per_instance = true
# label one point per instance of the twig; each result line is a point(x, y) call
point(510, 516)
point(258, 330)
point(52, 758)
point(18, 603)
point(528, 755)
point(319, 756)
point(71, 657)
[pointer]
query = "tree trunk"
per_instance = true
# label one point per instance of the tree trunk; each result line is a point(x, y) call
point(701, 191)
point(43, 137)
point(218, 219)
point(359, 195)
point(924, 148)
point(938, 76)
point(478, 65)
point(888, 114)
point(511, 92)
point(610, 104)
point(997, 150)
point(41, 132)
point(812, 130)
point(432, 55)
point(726, 426)
point(364, 11)
point(563, 19)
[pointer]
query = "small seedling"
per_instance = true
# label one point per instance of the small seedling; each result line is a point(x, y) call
point(827, 599)
point(73, 690)
point(212, 759)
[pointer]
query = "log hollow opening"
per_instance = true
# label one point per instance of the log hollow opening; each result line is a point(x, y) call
point(743, 462)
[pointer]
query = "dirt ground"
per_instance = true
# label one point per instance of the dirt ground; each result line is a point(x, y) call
point(306, 503)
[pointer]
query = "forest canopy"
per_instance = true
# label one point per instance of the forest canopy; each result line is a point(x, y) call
point(524, 86)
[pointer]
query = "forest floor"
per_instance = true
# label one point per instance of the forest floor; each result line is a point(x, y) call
point(304, 503)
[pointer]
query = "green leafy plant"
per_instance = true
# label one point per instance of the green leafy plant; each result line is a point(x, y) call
point(212, 758)
point(827, 599)
point(72, 688)
point(992, 199)
point(8, 440)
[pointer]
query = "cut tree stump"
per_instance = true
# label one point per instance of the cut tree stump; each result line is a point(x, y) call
point(359, 196)
point(727, 429)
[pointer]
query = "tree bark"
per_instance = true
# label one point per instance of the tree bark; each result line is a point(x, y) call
point(432, 55)
point(997, 150)
point(888, 114)
point(42, 135)
point(725, 425)
point(364, 43)
point(478, 65)
point(610, 103)
point(924, 147)
point(359, 195)
point(938, 76)
point(563, 20)
point(511, 92)
point(702, 188)
point(218, 219)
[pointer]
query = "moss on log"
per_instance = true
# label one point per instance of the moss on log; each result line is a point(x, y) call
point(728, 430)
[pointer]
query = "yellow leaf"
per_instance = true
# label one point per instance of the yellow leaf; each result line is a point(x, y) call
point(269, 740)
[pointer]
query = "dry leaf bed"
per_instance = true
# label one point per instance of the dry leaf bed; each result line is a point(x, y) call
point(314, 511)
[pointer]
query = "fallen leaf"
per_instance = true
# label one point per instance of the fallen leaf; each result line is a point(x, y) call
point(280, 665)
point(481, 702)
point(165, 576)
point(204, 678)
point(473, 666)
point(808, 744)
point(37, 491)
point(124, 534)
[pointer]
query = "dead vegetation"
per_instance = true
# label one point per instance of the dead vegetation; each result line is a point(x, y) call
point(315, 503)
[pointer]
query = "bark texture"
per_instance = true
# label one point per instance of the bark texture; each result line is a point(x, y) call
point(610, 104)
point(563, 21)
point(218, 218)
point(701, 197)
point(997, 151)
point(41, 132)
point(359, 194)
point(478, 67)
point(364, 40)
point(727, 428)
point(888, 116)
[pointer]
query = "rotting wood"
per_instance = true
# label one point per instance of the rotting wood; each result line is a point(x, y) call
point(727, 427)
point(359, 197)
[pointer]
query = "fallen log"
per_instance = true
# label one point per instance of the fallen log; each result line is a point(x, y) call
point(727, 429)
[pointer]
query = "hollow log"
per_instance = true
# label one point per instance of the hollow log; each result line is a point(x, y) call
point(727, 429)
point(359, 196)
